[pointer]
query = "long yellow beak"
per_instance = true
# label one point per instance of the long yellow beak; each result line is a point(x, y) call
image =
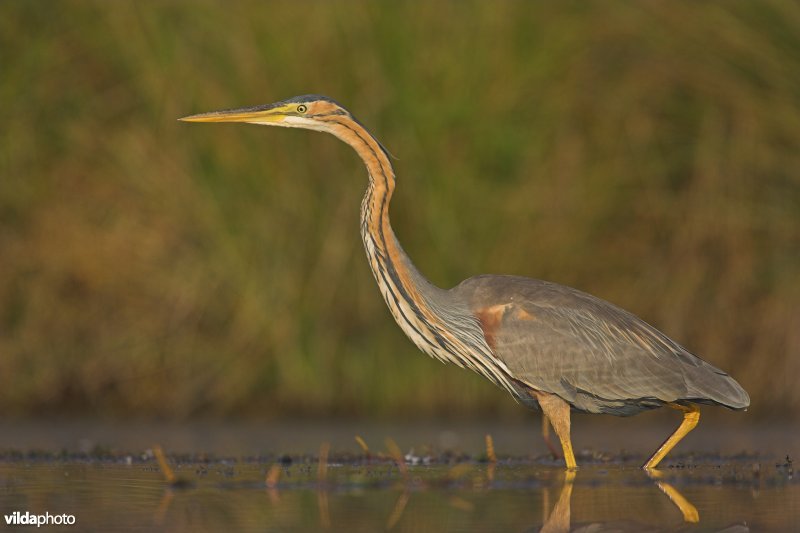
point(257, 115)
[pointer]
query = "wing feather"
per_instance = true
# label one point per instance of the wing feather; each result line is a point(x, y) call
point(597, 356)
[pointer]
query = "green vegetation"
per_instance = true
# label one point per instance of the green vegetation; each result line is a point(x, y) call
point(645, 152)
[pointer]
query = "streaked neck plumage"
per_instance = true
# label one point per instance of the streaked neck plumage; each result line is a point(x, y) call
point(407, 292)
point(426, 313)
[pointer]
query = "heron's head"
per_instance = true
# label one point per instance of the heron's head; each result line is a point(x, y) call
point(310, 111)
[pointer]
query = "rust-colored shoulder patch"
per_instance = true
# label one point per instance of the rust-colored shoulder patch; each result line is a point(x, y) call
point(490, 319)
point(522, 314)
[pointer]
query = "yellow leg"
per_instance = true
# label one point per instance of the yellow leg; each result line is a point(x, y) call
point(557, 412)
point(569, 456)
point(691, 416)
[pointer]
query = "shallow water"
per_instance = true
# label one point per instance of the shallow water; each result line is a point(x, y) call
point(112, 490)
point(518, 497)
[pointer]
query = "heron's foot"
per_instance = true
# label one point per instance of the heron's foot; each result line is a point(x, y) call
point(691, 416)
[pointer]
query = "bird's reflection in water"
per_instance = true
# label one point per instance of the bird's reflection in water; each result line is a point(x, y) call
point(559, 520)
point(688, 510)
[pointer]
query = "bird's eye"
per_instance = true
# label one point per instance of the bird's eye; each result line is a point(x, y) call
point(301, 108)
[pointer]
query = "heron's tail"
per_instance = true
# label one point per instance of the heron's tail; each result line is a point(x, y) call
point(716, 387)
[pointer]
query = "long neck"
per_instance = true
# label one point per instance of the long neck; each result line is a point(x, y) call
point(419, 307)
point(411, 298)
point(435, 320)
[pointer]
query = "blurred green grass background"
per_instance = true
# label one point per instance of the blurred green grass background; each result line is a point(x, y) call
point(645, 152)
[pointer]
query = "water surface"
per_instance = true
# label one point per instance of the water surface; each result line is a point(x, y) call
point(445, 483)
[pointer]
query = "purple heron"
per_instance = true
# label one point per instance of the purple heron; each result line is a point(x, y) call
point(551, 347)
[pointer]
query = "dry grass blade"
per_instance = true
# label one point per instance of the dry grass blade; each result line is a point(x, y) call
point(166, 470)
point(397, 456)
point(163, 507)
point(490, 472)
point(322, 479)
point(397, 512)
point(324, 508)
point(490, 455)
point(322, 469)
point(361, 442)
point(273, 475)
